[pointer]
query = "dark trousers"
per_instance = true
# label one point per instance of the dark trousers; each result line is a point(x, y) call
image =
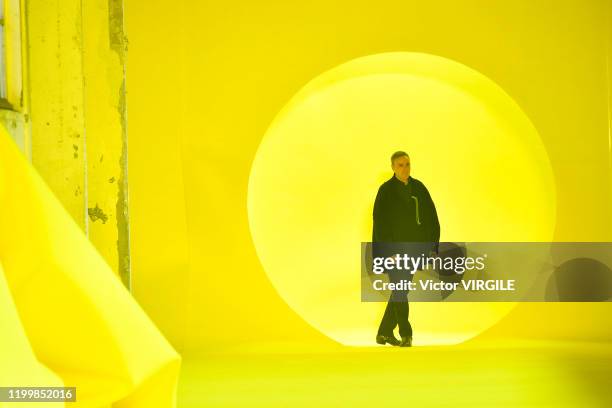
point(396, 313)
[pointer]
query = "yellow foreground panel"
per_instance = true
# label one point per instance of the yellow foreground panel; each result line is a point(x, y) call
point(77, 317)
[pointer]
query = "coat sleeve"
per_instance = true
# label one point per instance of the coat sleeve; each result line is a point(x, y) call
point(382, 234)
point(381, 229)
point(433, 221)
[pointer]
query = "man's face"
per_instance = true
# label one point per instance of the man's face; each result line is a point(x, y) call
point(401, 167)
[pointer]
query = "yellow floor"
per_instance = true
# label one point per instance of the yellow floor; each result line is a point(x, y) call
point(471, 375)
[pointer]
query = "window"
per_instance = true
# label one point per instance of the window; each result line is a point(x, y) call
point(12, 105)
point(2, 56)
point(10, 56)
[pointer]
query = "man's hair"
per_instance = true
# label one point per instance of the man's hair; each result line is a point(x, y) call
point(397, 155)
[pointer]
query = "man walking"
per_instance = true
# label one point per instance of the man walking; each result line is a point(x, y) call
point(403, 212)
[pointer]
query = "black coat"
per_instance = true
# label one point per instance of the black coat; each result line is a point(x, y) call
point(405, 213)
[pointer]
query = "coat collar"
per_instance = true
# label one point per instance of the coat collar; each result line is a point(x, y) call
point(399, 182)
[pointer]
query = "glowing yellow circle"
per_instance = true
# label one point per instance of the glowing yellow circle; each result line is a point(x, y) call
point(318, 167)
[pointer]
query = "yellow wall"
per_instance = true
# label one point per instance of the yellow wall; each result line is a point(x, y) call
point(205, 79)
point(160, 251)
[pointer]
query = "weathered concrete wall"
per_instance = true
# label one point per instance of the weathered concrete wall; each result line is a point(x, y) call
point(75, 51)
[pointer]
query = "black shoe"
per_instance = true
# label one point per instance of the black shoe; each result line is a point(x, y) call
point(406, 341)
point(383, 339)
